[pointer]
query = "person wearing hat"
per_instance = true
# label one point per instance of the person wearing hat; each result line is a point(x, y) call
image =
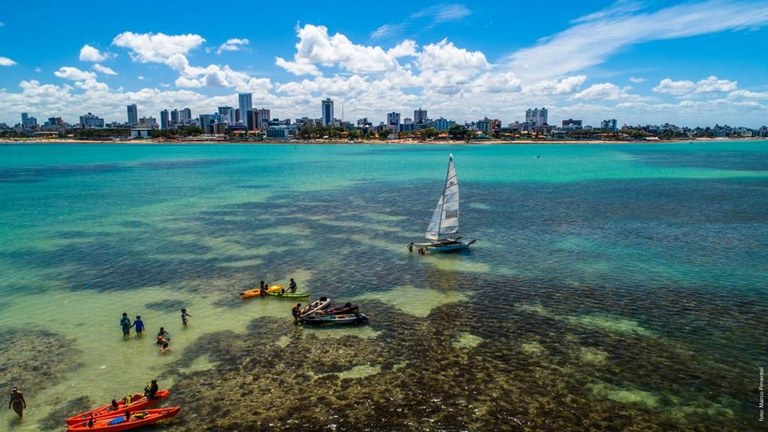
point(17, 401)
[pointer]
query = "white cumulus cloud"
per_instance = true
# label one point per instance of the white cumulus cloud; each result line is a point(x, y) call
point(103, 69)
point(232, 45)
point(710, 84)
point(564, 86)
point(74, 74)
point(317, 48)
point(603, 91)
point(156, 47)
point(91, 54)
point(5, 61)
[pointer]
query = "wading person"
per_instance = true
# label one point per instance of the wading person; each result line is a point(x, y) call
point(17, 402)
point(125, 323)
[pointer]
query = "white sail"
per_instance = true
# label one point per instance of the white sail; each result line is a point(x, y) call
point(433, 230)
point(445, 219)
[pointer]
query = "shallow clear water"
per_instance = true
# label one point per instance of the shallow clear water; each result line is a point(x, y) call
point(611, 285)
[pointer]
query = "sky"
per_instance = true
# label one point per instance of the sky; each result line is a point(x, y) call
point(692, 63)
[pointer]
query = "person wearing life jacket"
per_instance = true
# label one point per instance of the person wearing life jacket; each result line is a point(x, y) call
point(150, 391)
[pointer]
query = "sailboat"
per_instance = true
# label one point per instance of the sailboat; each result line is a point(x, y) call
point(443, 229)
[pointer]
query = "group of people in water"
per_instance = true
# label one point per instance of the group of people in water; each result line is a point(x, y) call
point(264, 288)
point(163, 337)
point(421, 250)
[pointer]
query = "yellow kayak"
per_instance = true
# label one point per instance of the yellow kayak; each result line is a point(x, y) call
point(255, 292)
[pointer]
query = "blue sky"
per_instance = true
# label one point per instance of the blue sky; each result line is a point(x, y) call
point(691, 63)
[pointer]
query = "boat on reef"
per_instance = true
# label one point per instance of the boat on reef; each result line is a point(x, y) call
point(289, 295)
point(443, 228)
point(122, 422)
point(338, 319)
point(346, 309)
point(138, 402)
point(255, 292)
point(315, 306)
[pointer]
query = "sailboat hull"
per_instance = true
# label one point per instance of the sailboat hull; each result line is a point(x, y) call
point(437, 247)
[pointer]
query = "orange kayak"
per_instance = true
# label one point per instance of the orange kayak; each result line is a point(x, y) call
point(120, 423)
point(255, 292)
point(138, 402)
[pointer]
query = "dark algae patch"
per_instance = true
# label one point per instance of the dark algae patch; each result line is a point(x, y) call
point(572, 379)
point(32, 358)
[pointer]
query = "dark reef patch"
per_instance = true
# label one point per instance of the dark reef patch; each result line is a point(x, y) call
point(424, 383)
point(55, 419)
point(165, 305)
point(34, 359)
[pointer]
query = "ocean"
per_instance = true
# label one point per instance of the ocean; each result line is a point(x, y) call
point(611, 287)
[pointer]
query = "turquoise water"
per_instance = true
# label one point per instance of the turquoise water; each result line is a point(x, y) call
point(612, 286)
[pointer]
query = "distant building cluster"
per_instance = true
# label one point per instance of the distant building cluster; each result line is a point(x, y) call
point(247, 120)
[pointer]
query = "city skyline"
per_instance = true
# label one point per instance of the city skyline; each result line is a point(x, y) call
point(688, 63)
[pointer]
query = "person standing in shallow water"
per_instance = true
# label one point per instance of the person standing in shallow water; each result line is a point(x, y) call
point(292, 286)
point(139, 324)
point(184, 316)
point(17, 402)
point(125, 323)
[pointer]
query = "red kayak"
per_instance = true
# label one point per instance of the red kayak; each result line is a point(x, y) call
point(120, 422)
point(137, 402)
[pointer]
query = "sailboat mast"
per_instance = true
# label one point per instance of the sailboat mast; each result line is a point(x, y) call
point(442, 199)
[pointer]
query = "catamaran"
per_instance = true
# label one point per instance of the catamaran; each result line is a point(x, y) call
point(443, 229)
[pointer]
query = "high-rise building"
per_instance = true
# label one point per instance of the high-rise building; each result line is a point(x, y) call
point(28, 122)
point(393, 119)
point(164, 119)
point(227, 114)
point(133, 115)
point(250, 120)
point(608, 125)
point(174, 117)
point(420, 116)
point(327, 111)
point(208, 123)
point(262, 118)
point(245, 102)
point(185, 115)
point(91, 121)
point(442, 124)
point(536, 117)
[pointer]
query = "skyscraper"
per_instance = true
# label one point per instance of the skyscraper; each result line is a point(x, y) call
point(245, 101)
point(164, 119)
point(327, 111)
point(420, 116)
point(393, 119)
point(536, 117)
point(133, 115)
point(262, 118)
point(227, 114)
